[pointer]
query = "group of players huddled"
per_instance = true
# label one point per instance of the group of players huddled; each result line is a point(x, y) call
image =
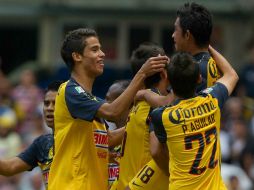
point(158, 131)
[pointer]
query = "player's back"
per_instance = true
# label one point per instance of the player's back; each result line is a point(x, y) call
point(135, 147)
point(192, 131)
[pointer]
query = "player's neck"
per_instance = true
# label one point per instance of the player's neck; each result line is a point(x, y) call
point(83, 80)
point(195, 50)
point(176, 97)
point(162, 87)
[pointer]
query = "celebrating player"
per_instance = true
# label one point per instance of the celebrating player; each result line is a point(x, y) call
point(136, 143)
point(190, 126)
point(40, 152)
point(81, 143)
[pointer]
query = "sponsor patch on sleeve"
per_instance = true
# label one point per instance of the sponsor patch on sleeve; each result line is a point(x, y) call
point(208, 90)
point(79, 89)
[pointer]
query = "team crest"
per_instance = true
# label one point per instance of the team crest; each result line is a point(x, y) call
point(50, 155)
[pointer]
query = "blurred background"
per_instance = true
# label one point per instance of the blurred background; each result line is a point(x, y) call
point(31, 32)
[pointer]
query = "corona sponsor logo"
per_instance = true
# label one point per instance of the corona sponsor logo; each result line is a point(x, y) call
point(101, 139)
point(179, 115)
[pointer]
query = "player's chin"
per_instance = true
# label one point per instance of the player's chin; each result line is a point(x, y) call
point(100, 70)
point(176, 47)
point(97, 72)
point(50, 123)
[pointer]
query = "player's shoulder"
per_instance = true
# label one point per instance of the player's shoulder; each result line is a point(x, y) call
point(157, 112)
point(73, 89)
point(72, 86)
point(218, 89)
point(48, 136)
point(63, 86)
point(44, 141)
point(202, 57)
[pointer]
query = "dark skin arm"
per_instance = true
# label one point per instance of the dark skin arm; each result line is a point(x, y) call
point(112, 111)
point(115, 137)
point(153, 99)
point(12, 166)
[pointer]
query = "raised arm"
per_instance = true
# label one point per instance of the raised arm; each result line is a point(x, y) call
point(153, 99)
point(13, 166)
point(113, 110)
point(230, 77)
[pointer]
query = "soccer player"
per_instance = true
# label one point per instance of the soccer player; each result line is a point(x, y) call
point(136, 143)
point(40, 152)
point(115, 130)
point(81, 142)
point(192, 33)
point(190, 126)
point(193, 29)
point(114, 91)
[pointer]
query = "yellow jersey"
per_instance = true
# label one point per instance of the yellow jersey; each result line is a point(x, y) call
point(149, 177)
point(135, 147)
point(208, 70)
point(81, 143)
point(191, 129)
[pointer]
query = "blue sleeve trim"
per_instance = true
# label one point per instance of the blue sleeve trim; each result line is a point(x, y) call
point(30, 154)
point(202, 60)
point(38, 151)
point(218, 91)
point(81, 104)
point(156, 122)
point(151, 127)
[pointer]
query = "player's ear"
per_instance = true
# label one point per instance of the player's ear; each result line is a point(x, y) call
point(77, 57)
point(187, 34)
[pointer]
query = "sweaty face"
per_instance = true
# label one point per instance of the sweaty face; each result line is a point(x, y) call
point(49, 107)
point(93, 57)
point(178, 36)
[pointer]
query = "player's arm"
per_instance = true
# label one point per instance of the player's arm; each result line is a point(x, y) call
point(115, 137)
point(113, 110)
point(230, 77)
point(159, 152)
point(153, 99)
point(13, 166)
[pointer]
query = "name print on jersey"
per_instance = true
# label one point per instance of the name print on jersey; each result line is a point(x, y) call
point(198, 124)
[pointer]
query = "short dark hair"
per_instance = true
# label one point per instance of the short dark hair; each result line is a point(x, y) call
point(54, 86)
point(121, 84)
point(183, 74)
point(75, 41)
point(198, 20)
point(140, 56)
